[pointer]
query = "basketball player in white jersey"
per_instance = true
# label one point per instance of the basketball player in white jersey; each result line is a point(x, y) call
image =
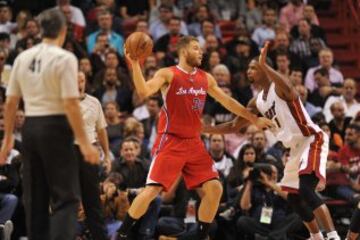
point(45, 76)
point(305, 171)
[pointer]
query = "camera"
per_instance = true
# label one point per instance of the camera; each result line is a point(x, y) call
point(255, 175)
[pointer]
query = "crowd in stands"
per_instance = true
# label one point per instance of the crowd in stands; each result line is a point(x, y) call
point(96, 34)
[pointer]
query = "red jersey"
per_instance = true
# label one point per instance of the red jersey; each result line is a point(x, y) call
point(184, 101)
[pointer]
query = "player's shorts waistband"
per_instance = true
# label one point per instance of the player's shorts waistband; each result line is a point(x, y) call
point(46, 119)
point(192, 138)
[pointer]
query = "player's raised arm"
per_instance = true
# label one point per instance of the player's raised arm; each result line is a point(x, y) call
point(233, 106)
point(283, 86)
point(147, 88)
point(233, 126)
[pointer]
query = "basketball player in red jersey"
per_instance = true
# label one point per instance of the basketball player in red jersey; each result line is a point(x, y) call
point(304, 172)
point(178, 148)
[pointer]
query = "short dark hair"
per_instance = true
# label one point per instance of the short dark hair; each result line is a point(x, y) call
point(322, 71)
point(185, 41)
point(354, 126)
point(157, 99)
point(52, 22)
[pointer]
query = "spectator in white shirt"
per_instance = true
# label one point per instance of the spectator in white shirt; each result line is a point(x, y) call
point(5, 18)
point(326, 59)
point(266, 31)
point(351, 106)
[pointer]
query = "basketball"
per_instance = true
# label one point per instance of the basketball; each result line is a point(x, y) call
point(139, 45)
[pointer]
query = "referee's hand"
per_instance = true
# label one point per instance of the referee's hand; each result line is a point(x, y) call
point(90, 153)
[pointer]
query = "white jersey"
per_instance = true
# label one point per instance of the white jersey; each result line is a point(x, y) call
point(44, 75)
point(293, 124)
point(93, 116)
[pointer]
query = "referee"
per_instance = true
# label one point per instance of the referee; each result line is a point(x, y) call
point(95, 127)
point(45, 76)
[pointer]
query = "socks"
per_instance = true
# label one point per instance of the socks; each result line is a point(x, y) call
point(316, 236)
point(333, 236)
point(203, 230)
point(126, 225)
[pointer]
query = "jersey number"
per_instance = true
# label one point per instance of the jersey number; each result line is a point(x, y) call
point(35, 65)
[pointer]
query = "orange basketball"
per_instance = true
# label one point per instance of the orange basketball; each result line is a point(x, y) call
point(139, 45)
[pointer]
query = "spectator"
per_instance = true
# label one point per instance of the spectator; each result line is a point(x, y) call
point(340, 122)
point(283, 63)
point(134, 172)
point(241, 57)
point(114, 90)
point(153, 105)
point(5, 18)
point(253, 16)
point(75, 31)
point(86, 68)
point(77, 16)
point(310, 15)
point(167, 43)
point(309, 107)
point(202, 14)
point(260, 143)
point(114, 127)
point(207, 28)
point(336, 141)
point(213, 44)
point(347, 98)
point(134, 10)
point(142, 26)
point(221, 74)
point(260, 195)
point(326, 59)
point(267, 30)
point(105, 21)
point(291, 14)
point(324, 90)
point(159, 27)
point(296, 76)
point(223, 161)
point(21, 19)
point(211, 60)
point(304, 45)
point(248, 137)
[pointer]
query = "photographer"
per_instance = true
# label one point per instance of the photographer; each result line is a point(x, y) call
point(265, 203)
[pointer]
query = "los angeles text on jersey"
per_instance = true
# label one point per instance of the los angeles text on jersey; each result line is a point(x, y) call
point(190, 91)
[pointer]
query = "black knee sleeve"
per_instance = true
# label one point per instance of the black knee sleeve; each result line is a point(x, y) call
point(355, 221)
point(307, 187)
point(300, 207)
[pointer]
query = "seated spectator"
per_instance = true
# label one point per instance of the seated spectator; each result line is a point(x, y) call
point(309, 107)
point(310, 15)
point(305, 43)
point(86, 68)
point(211, 60)
point(345, 168)
point(207, 28)
point(261, 195)
point(21, 18)
point(291, 14)
point(214, 44)
point(326, 60)
point(347, 98)
point(159, 27)
point(336, 142)
point(92, 15)
point(134, 10)
point(142, 26)
point(77, 16)
point(221, 74)
point(134, 172)
point(203, 14)
point(134, 128)
point(114, 90)
point(253, 15)
point(248, 137)
point(283, 63)
point(31, 30)
point(223, 160)
point(239, 60)
point(267, 30)
point(115, 204)
point(324, 88)
point(296, 76)
point(75, 31)
point(115, 125)
point(5, 18)
point(167, 43)
point(116, 41)
point(340, 122)
point(153, 105)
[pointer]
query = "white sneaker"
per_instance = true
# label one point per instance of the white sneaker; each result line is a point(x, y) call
point(7, 230)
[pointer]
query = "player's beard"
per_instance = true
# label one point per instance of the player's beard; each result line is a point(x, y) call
point(192, 61)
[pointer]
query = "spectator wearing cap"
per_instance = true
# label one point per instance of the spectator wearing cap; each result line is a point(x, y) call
point(160, 27)
point(77, 16)
point(105, 22)
point(326, 59)
point(347, 99)
point(5, 18)
point(267, 31)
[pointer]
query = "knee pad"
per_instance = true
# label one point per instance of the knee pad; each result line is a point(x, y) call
point(355, 221)
point(307, 187)
point(299, 207)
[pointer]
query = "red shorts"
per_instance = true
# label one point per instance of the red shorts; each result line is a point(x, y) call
point(174, 156)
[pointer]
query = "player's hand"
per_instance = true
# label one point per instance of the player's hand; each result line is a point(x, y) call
point(90, 153)
point(7, 145)
point(263, 53)
point(130, 58)
point(264, 123)
point(3, 156)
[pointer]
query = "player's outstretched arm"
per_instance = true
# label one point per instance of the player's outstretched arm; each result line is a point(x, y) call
point(283, 86)
point(235, 107)
point(147, 88)
point(233, 126)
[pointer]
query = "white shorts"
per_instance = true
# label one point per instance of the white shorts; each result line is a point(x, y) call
point(306, 157)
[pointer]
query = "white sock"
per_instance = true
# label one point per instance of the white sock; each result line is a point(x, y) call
point(316, 236)
point(333, 235)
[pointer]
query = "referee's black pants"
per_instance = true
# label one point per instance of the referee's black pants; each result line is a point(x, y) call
point(90, 197)
point(51, 178)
